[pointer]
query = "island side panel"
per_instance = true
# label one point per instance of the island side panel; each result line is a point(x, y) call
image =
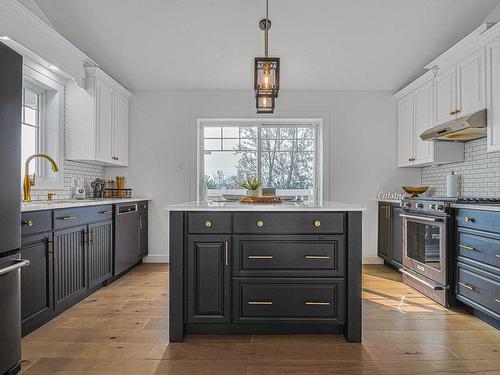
point(354, 267)
point(176, 272)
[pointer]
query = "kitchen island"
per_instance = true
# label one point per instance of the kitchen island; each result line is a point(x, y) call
point(261, 269)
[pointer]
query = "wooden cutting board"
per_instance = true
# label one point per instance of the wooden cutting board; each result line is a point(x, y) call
point(261, 200)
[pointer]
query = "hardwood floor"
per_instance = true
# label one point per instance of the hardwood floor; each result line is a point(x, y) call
point(123, 329)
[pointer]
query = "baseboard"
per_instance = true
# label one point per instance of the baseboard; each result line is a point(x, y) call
point(156, 259)
point(372, 259)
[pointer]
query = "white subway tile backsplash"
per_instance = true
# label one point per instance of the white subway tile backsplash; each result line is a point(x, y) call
point(479, 173)
point(72, 170)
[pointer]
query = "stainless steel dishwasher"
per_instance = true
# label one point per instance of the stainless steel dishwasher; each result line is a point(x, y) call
point(126, 237)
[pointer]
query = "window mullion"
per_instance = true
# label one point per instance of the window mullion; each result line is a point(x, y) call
point(259, 153)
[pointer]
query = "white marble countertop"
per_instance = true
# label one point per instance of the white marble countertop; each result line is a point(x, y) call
point(388, 200)
point(69, 203)
point(285, 206)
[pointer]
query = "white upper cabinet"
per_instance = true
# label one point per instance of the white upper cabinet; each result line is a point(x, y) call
point(98, 121)
point(423, 97)
point(405, 130)
point(471, 83)
point(415, 111)
point(445, 91)
point(493, 93)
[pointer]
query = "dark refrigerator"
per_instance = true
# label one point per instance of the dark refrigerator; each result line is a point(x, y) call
point(11, 82)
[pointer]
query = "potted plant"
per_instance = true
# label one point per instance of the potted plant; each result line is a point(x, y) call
point(253, 186)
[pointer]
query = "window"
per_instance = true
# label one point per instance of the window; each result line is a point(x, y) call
point(31, 125)
point(42, 125)
point(282, 154)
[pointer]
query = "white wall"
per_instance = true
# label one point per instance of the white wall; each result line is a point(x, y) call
point(362, 147)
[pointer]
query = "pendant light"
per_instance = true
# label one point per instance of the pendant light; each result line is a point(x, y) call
point(266, 72)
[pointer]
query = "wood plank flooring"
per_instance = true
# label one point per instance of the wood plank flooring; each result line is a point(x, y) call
point(123, 329)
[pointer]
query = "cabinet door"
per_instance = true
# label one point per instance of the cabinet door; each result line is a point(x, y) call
point(423, 97)
point(100, 252)
point(397, 235)
point(209, 279)
point(384, 230)
point(121, 130)
point(471, 83)
point(143, 235)
point(445, 92)
point(405, 130)
point(69, 266)
point(37, 299)
point(493, 94)
point(104, 121)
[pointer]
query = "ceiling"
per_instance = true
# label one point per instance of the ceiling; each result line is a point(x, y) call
point(210, 44)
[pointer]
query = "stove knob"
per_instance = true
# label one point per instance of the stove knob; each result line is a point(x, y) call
point(440, 207)
point(408, 205)
point(420, 205)
point(432, 207)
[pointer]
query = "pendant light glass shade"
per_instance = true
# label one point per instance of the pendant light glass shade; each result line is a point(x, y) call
point(265, 104)
point(267, 76)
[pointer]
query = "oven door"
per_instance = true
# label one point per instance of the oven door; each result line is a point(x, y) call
point(424, 245)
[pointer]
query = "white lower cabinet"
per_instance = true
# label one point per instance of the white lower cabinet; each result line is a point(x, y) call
point(97, 121)
point(415, 109)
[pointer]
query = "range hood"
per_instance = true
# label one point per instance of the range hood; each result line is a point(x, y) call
point(463, 129)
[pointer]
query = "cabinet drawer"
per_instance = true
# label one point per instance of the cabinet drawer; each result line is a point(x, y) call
point(480, 220)
point(288, 300)
point(71, 217)
point(209, 222)
point(288, 222)
point(479, 289)
point(479, 248)
point(36, 222)
point(289, 256)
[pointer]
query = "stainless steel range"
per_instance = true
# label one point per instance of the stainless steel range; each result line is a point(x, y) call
point(428, 254)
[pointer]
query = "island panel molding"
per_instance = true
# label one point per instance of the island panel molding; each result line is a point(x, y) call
point(228, 275)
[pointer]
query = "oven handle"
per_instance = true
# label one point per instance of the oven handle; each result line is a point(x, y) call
point(420, 280)
point(424, 218)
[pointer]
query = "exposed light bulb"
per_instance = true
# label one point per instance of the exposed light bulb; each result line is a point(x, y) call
point(53, 67)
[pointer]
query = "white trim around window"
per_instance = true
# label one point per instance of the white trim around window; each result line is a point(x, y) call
point(315, 123)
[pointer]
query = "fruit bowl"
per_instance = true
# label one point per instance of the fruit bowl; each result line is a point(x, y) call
point(415, 190)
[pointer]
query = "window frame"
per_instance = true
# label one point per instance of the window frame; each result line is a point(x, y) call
point(315, 123)
point(52, 86)
point(37, 90)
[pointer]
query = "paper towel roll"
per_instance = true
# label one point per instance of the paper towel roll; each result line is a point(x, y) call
point(452, 184)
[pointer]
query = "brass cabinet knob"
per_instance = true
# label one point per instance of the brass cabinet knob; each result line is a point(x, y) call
point(457, 111)
point(317, 223)
point(29, 223)
point(468, 219)
point(208, 223)
point(260, 223)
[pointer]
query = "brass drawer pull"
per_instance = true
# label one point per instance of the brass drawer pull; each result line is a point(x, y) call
point(29, 223)
point(257, 257)
point(319, 257)
point(467, 286)
point(317, 223)
point(208, 223)
point(497, 300)
point(468, 247)
point(317, 303)
point(106, 212)
point(260, 223)
point(260, 302)
point(497, 255)
point(469, 219)
point(68, 217)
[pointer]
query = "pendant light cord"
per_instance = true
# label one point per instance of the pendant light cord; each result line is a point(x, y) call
point(266, 31)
